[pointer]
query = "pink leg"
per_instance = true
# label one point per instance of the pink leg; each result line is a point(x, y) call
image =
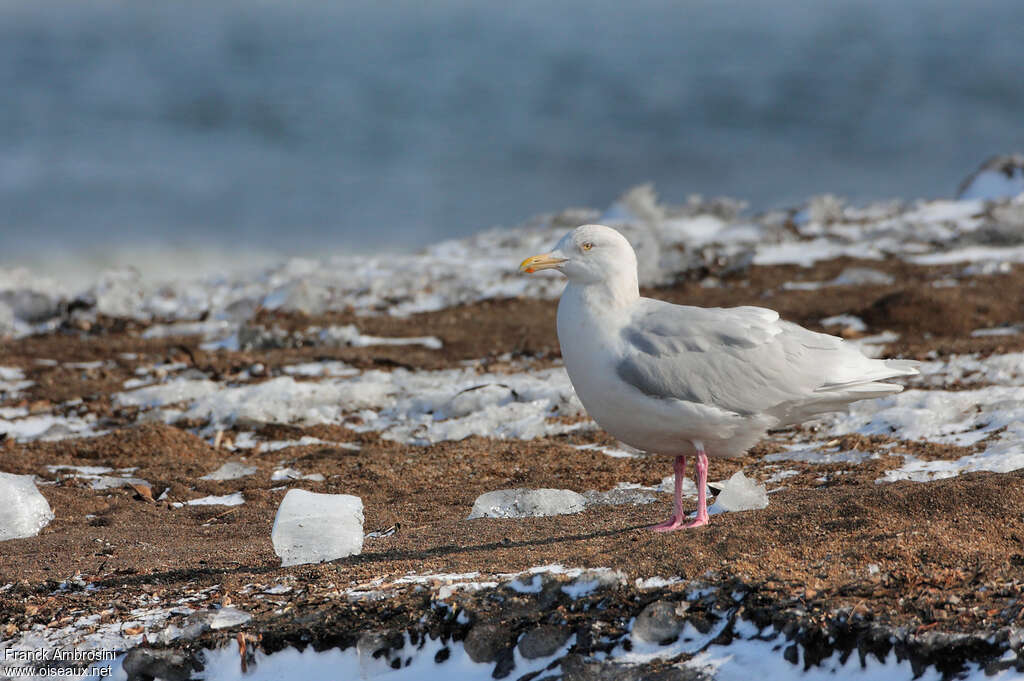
point(676, 521)
point(677, 516)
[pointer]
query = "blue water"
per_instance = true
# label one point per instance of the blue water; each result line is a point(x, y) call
point(312, 126)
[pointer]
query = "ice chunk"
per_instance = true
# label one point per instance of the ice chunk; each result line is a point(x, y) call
point(998, 177)
point(24, 511)
point(79, 470)
point(226, 618)
point(524, 503)
point(119, 293)
point(335, 336)
point(293, 474)
point(847, 321)
point(740, 493)
point(311, 527)
point(668, 485)
point(861, 276)
point(214, 328)
point(622, 493)
point(304, 441)
point(230, 471)
point(109, 482)
point(325, 368)
point(29, 305)
point(235, 499)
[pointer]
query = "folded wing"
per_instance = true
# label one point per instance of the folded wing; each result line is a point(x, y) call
point(748, 361)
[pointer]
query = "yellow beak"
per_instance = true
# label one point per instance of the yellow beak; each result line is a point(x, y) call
point(546, 261)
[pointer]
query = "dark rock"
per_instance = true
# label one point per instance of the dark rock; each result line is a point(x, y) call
point(379, 644)
point(578, 668)
point(505, 662)
point(485, 640)
point(657, 622)
point(676, 674)
point(543, 641)
point(251, 337)
point(146, 664)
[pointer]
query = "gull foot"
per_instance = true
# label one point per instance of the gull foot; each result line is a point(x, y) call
point(674, 523)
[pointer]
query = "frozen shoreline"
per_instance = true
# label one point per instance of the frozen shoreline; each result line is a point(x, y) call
point(978, 233)
point(307, 403)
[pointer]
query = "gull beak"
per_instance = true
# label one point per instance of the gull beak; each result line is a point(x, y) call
point(546, 261)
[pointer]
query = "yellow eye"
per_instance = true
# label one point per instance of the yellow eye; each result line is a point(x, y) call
point(586, 245)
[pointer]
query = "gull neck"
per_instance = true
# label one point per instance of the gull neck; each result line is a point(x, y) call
point(613, 293)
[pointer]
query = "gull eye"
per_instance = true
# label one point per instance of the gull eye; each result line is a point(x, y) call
point(586, 246)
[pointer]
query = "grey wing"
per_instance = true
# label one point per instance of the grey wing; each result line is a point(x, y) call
point(745, 360)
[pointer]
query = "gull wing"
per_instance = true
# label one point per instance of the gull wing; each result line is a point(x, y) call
point(747, 361)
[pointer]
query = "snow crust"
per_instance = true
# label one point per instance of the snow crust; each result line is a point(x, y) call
point(1006, 370)
point(989, 419)
point(24, 428)
point(12, 381)
point(350, 335)
point(172, 392)
point(417, 407)
point(485, 265)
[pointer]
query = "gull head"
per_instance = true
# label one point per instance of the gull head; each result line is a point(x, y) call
point(591, 254)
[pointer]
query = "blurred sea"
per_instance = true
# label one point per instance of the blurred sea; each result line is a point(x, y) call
point(307, 127)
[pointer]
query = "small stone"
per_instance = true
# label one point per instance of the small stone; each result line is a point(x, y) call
point(505, 662)
point(486, 640)
point(676, 674)
point(149, 663)
point(543, 641)
point(657, 623)
point(577, 668)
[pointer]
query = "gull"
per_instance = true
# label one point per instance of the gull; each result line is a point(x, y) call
point(684, 380)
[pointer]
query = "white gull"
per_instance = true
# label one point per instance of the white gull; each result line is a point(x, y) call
point(683, 380)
